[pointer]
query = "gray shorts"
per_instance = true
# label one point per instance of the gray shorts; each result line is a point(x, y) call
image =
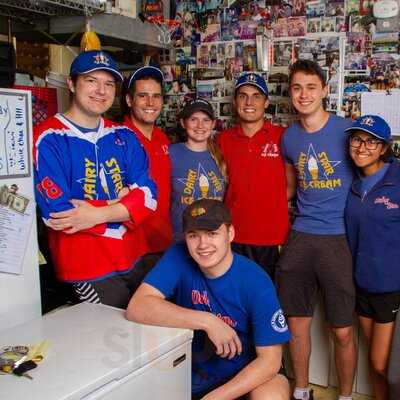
point(312, 263)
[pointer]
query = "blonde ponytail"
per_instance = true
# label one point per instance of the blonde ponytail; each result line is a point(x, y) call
point(217, 156)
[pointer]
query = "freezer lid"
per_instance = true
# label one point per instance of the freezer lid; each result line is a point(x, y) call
point(90, 346)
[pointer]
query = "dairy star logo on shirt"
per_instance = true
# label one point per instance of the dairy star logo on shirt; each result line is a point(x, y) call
point(109, 174)
point(201, 184)
point(316, 171)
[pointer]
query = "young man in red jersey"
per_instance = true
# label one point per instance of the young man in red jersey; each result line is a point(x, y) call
point(256, 193)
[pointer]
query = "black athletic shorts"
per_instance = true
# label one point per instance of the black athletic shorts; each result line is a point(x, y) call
point(265, 256)
point(380, 307)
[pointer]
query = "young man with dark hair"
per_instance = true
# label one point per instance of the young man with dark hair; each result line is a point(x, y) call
point(143, 100)
point(316, 256)
point(83, 162)
point(256, 194)
point(227, 300)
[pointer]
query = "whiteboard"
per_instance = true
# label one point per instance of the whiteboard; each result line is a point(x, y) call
point(19, 294)
point(384, 104)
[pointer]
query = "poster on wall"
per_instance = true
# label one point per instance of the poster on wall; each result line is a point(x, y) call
point(15, 133)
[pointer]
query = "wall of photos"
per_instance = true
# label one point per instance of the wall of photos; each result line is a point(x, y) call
point(216, 41)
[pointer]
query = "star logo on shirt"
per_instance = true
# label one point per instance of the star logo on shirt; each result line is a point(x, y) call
point(315, 167)
point(201, 183)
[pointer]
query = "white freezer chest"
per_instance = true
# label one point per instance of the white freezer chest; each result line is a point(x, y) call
point(95, 353)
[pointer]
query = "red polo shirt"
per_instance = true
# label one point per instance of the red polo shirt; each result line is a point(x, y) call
point(256, 194)
point(157, 228)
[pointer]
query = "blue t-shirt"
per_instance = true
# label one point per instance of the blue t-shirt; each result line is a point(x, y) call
point(368, 182)
point(194, 175)
point(244, 297)
point(324, 174)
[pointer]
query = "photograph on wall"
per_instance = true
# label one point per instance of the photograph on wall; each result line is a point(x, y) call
point(224, 123)
point(218, 91)
point(356, 62)
point(211, 33)
point(356, 43)
point(280, 27)
point(248, 30)
point(230, 49)
point(238, 49)
point(355, 24)
point(314, 25)
point(299, 8)
point(205, 89)
point(315, 9)
point(169, 72)
point(335, 9)
point(341, 25)
point(396, 146)
point(229, 70)
point(225, 109)
point(385, 71)
point(229, 88)
point(385, 42)
point(352, 7)
point(351, 105)
point(249, 56)
point(185, 55)
point(366, 6)
point(297, 26)
point(213, 55)
point(332, 105)
point(202, 56)
point(221, 55)
point(282, 53)
point(215, 106)
point(328, 24)
point(230, 27)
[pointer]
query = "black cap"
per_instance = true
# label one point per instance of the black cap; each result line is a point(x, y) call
point(197, 105)
point(205, 214)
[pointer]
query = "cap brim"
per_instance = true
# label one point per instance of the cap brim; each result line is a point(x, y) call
point(205, 110)
point(203, 226)
point(358, 128)
point(112, 71)
point(146, 71)
point(252, 84)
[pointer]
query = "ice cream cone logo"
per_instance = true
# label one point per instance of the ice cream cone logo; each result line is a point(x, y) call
point(313, 168)
point(204, 186)
point(103, 181)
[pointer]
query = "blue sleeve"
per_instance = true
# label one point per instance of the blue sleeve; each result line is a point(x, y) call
point(267, 319)
point(51, 186)
point(167, 273)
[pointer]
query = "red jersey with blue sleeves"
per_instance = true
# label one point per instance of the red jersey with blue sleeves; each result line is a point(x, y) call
point(92, 166)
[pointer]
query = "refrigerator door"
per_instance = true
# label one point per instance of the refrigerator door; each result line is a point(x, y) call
point(91, 346)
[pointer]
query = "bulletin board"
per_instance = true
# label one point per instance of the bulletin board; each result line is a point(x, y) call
point(19, 271)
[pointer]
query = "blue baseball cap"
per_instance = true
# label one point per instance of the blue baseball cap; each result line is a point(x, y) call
point(372, 124)
point(94, 60)
point(254, 80)
point(148, 70)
